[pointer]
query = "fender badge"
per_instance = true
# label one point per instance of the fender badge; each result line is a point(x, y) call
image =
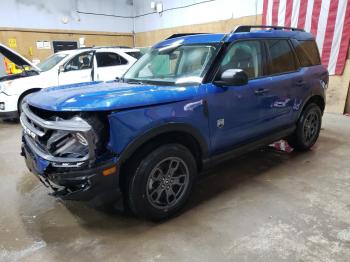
point(220, 123)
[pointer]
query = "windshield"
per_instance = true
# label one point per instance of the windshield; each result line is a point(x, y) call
point(179, 65)
point(51, 62)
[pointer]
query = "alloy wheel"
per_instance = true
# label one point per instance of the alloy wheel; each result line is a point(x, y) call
point(167, 183)
point(311, 126)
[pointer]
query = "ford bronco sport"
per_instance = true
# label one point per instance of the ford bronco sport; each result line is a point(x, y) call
point(188, 103)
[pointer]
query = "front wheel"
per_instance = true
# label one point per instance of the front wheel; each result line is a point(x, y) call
point(162, 182)
point(308, 128)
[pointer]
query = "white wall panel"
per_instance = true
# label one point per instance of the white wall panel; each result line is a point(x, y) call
point(48, 14)
point(208, 11)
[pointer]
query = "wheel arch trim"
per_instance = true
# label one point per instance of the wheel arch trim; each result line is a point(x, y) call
point(161, 130)
point(307, 101)
point(27, 92)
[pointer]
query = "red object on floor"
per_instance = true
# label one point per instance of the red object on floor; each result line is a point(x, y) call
point(282, 145)
point(347, 114)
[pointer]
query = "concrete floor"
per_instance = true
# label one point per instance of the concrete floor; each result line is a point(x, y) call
point(265, 206)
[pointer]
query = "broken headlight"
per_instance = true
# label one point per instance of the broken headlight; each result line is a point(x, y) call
point(68, 144)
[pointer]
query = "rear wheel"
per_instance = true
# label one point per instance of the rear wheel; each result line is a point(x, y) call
point(308, 128)
point(162, 181)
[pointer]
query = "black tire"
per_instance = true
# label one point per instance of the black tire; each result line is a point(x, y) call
point(19, 107)
point(20, 100)
point(308, 128)
point(151, 177)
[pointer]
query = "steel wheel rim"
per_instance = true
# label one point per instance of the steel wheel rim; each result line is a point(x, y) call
point(167, 183)
point(311, 126)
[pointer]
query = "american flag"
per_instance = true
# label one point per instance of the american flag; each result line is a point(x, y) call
point(327, 20)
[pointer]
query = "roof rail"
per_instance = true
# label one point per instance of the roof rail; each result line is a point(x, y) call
point(183, 34)
point(85, 47)
point(247, 28)
point(99, 47)
point(116, 46)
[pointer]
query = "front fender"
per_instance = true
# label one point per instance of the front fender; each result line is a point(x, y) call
point(133, 127)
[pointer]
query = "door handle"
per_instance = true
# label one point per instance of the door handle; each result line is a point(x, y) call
point(261, 91)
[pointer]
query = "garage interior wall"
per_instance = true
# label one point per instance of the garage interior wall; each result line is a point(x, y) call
point(29, 21)
point(27, 39)
point(134, 23)
point(185, 12)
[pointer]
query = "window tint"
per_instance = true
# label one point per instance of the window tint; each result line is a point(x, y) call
point(245, 55)
point(307, 52)
point(282, 57)
point(80, 62)
point(136, 55)
point(109, 59)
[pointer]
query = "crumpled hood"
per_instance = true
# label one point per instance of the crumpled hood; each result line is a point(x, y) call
point(104, 96)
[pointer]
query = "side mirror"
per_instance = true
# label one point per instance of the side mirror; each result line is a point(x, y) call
point(233, 77)
point(61, 69)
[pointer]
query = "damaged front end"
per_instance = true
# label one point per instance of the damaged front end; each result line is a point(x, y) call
point(67, 152)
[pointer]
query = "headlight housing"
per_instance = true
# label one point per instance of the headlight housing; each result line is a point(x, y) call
point(4, 86)
point(66, 140)
point(68, 144)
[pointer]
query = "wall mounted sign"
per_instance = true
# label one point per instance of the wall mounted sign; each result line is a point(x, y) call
point(12, 43)
point(43, 45)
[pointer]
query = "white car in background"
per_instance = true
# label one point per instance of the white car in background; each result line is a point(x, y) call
point(62, 68)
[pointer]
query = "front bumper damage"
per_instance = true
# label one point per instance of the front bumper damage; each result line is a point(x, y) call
point(90, 185)
point(69, 179)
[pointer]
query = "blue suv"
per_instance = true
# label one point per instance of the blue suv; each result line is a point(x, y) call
point(190, 102)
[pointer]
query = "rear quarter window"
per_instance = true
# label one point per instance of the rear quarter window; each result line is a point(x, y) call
point(136, 55)
point(307, 52)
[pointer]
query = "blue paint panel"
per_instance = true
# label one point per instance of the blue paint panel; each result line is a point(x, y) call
point(101, 96)
point(126, 126)
point(41, 165)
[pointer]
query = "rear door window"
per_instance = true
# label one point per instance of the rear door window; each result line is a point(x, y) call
point(105, 59)
point(282, 59)
point(307, 53)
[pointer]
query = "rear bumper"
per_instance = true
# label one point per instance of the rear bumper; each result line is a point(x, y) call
point(88, 184)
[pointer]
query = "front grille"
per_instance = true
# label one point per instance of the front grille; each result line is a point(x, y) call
point(50, 115)
point(66, 142)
